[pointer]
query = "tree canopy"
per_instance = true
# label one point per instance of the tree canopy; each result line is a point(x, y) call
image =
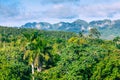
point(27, 54)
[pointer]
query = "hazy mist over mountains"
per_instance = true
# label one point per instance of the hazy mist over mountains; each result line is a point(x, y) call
point(108, 28)
point(63, 15)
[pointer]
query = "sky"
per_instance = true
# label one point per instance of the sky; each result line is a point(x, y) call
point(19, 12)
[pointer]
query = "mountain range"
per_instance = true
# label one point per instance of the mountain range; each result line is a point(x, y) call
point(108, 28)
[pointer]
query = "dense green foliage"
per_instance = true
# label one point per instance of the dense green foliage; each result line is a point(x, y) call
point(55, 55)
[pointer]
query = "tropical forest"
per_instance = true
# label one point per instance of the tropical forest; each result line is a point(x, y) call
point(32, 54)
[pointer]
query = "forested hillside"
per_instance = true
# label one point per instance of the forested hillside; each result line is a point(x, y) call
point(31, 54)
point(108, 28)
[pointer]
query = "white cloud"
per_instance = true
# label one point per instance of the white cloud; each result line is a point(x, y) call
point(58, 1)
point(58, 10)
point(99, 11)
point(61, 11)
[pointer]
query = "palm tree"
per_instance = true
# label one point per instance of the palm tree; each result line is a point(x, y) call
point(94, 33)
point(117, 42)
point(81, 33)
point(35, 52)
point(39, 53)
point(29, 49)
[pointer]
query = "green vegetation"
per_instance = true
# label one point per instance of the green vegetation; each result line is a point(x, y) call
point(30, 54)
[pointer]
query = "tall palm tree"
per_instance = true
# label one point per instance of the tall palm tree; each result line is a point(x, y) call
point(29, 49)
point(35, 52)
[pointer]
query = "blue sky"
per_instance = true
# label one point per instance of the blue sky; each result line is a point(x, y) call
point(18, 12)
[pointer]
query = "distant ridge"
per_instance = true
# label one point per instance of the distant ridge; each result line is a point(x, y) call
point(108, 28)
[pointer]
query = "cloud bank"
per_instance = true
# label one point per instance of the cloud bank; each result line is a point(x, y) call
point(18, 12)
